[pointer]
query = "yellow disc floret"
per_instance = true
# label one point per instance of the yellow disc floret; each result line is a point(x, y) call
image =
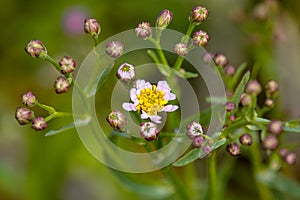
point(151, 100)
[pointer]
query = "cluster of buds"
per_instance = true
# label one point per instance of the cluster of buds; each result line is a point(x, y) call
point(25, 116)
point(288, 156)
point(194, 131)
point(275, 128)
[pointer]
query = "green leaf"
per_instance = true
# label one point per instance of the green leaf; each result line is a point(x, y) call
point(238, 75)
point(240, 89)
point(68, 127)
point(291, 129)
point(188, 158)
point(188, 75)
point(219, 143)
point(146, 191)
point(100, 80)
point(216, 135)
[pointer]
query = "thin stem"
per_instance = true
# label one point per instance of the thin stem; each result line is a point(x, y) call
point(159, 51)
point(212, 177)
point(58, 114)
point(50, 109)
point(54, 63)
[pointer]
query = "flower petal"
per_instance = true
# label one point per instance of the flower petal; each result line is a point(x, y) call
point(169, 96)
point(133, 94)
point(164, 86)
point(155, 119)
point(129, 106)
point(170, 108)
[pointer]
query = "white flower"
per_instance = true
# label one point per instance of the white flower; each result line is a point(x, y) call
point(150, 99)
point(194, 129)
point(126, 72)
point(149, 130)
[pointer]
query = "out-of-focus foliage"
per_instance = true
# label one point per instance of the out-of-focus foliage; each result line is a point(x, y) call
point(35, 167)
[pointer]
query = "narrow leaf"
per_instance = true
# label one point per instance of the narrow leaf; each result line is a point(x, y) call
point(188, 158)
point(188, 75)
point(219, 143)
point(238, 75)
point(240, 89)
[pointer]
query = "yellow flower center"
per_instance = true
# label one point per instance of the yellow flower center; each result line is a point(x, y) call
point(151, 100)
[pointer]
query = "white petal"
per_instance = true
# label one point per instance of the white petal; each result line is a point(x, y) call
point(128, 107)
point(169, 96)
point(144, 115)
point(170, 108)
point(133, 94)
point(139, 83)
point(163, 85)
point(155, 119)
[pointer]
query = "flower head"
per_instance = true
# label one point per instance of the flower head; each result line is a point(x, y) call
point(126, 72)
point(194, 129)
point(253, 87)
point(149, 131)
point(220, 59)
point(117, 120)
point(270, 142)
point(143, 30)
point(233, 149)
point(92, 27)
point(198, 141)
point(230, 106)
point(275, 127)
point(198, 15)
point(164, 19)
point(246, 139)
point(200, 38)
point(114, 49)
point(181, 49)
point(39, 124)
point(29, 99)
point(149, 99)
point(61, 85)
point(36, 49)
point(67, 65)
point(24, 115)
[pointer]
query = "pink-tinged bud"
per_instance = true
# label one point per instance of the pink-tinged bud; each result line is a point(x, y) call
point(92, 27)
point(61, 85)
point(39, 124)
point(194, 129)
point(272, 88)
point(181, 49)
point(229, 70)
point(229, 106)
point(232, 118)
point(246, 139)
point(198, 141)
point(253, 87)
point(270, 142)
point(126, 72)
point(114, 49)
point(198, 15)
point(29, 99)
point(275, 127)
point(208, 57)
point(36, 49)
point(200, 38)
point(149, 131)
point(67, 65)
point(117, 120)
point(164, 19)
point(246, 100)
point(283, 152)
point(269, 103)
point(220, 60)
point(290, 158)
point(143, 30)
point(24, 115)
point(207, 149)
point(233, 149)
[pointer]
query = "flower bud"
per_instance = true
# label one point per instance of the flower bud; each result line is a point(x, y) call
point(246, 99)
point(198, 15)
point(164, 19)
point(198, 141)
point(126, 72)
point(194, 129)
point(253, 87)
point(114, 49)
point(29, 99)
point(220, 60)
point(36, 49)
point(117, 120)
point(92, 27)
point(149, 131)
point(208, 57)
point(232, 118)
point(233, 149)
point(67, 65)
point(272, 88)
point(207, 148)
point(61, 85)
point(229, 106)
point(290, 158)
point(24, 115)
point(143, 30)
point(246, 139)
point(229, 70)
point(269, 103)
point(200, 38)
point(270, 142)
point(275, 127)
point(181, 49)
point(39, 124)
point(283, 152)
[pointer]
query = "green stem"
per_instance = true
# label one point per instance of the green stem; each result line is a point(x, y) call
point(50, 109)
point(54, 63)
point(58, 114)
point(159, 51)
point(185, 39)
point(212, 177)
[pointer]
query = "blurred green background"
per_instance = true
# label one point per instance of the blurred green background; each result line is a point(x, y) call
point(34, 167)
